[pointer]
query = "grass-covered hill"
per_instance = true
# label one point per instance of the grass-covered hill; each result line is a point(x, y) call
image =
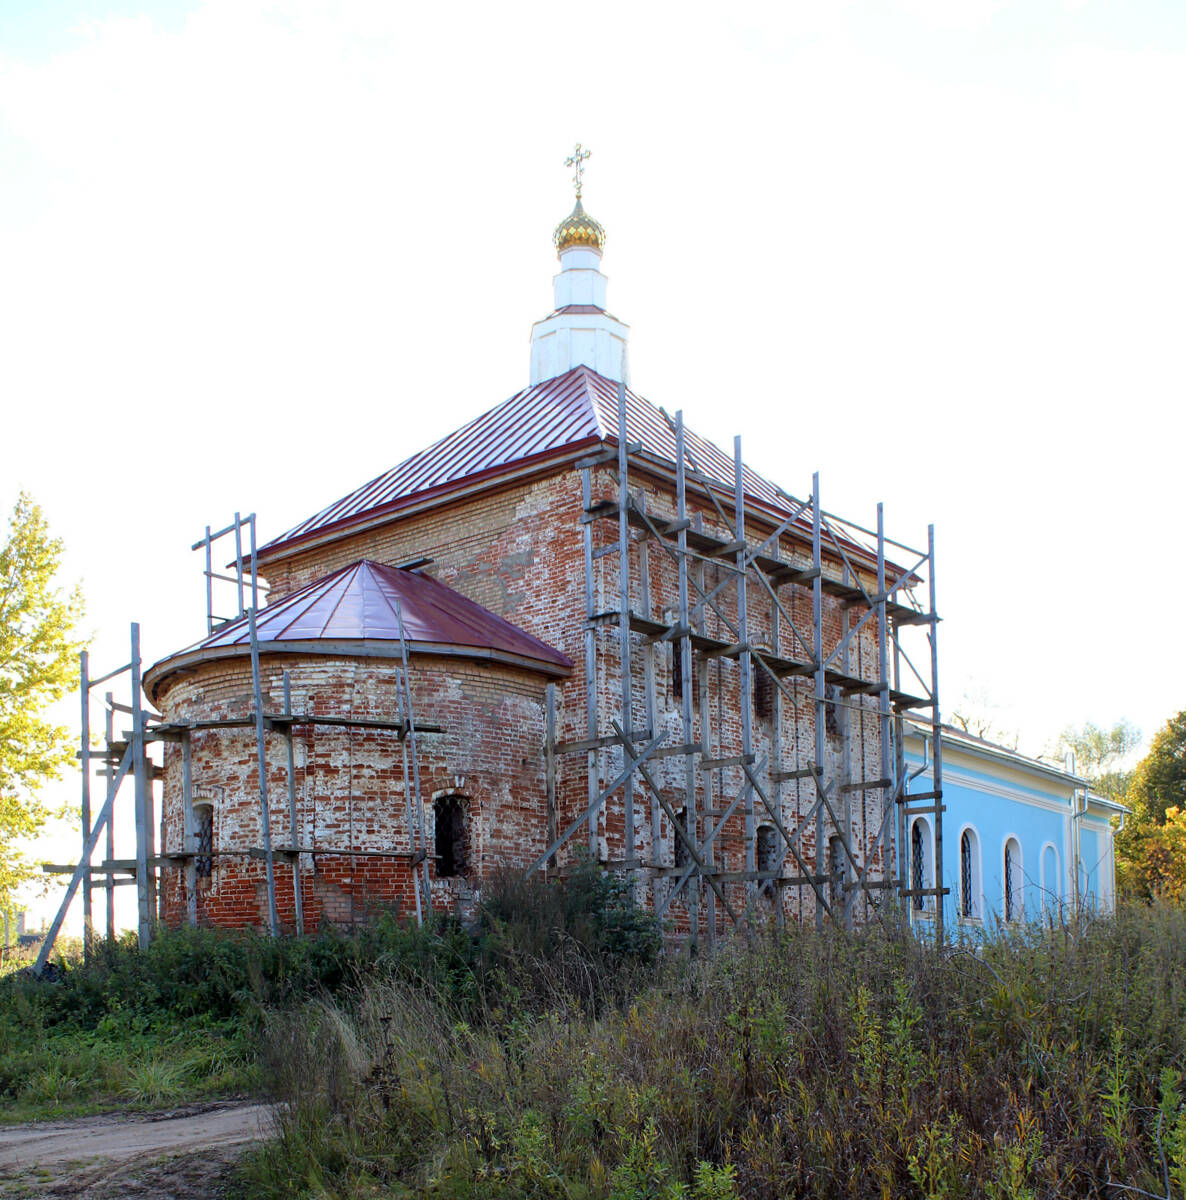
point(551, 1051)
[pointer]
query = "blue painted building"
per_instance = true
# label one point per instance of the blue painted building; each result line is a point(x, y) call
point(1023, 839)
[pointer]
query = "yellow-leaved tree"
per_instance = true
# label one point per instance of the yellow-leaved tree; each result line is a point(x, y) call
point(38, 665)
point(1151, 849)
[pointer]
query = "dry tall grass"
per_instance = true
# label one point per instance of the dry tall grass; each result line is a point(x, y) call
point(810, 1064)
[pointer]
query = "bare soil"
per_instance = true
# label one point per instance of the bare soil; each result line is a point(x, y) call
point(182, 1154)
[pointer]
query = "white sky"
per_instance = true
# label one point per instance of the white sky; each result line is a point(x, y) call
point(252, 254)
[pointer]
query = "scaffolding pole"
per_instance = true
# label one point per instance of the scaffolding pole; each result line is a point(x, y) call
point(261, 750)
point(834, 571)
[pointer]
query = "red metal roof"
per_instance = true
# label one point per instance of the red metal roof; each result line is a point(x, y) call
point(579, 407)
point(363, 602)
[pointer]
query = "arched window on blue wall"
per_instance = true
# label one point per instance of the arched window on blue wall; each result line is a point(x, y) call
point(922, 874)
point(1051, 879)
point(1012, 880)
point(970, 893)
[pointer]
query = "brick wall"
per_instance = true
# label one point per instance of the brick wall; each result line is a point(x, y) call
point(352, 807)
point(519, 551)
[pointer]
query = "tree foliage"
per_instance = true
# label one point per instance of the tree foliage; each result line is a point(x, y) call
point(1151, 857)
point(1159, 782)
point(1099, 752)
point(1151, 848)
point(38, 665)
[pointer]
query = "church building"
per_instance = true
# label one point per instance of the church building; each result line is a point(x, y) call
point(570, 629)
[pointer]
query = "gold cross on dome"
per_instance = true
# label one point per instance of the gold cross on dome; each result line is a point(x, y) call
point(577, 162)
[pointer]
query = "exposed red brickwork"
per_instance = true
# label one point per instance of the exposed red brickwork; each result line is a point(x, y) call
point(351, 803)
point(519, 551)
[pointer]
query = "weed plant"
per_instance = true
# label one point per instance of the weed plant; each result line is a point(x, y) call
point(1041, 1063)
point(182, 1019)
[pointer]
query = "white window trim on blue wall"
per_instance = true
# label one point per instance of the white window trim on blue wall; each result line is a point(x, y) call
point(1052, 889)
point(928, 864)
point(1019, 882)
point(977, 874)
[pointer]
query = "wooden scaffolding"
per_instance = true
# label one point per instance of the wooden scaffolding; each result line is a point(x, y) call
point(785, 797)
point(128, 755)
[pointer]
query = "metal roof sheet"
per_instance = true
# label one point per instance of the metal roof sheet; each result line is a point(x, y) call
point(364, 601)
point(558, 414)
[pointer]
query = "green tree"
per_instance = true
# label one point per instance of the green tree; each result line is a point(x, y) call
point(1099, 752)
point(38, 665)
point(1159, 782)
point(1151, 848)
point(1151, 857)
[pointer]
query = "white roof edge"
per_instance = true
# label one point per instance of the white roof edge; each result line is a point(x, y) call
point(975, 745)
point(1094, 798)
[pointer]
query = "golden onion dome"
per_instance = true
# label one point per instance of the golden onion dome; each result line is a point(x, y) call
point(579, 229)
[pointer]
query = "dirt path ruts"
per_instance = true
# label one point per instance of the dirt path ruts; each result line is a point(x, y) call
point(183, 1153)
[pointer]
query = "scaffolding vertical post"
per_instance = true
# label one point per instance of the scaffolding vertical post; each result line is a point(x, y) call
point(209, 584)
point(239, 560)
point(648, 670)
point(144, 823)
point(84, 754)
point(936, 738)
point(692, 827)
point(624, 632)
point(413, 840)
point(709, 846)
point(262, 758)
point(410, 735)
point(550, 763)
point(891, 794)
point(189, 842)
point(821, 708)
point(254, 575)
point(593, 787)
point(776, 768)
point(845, 893)
point(747, 734)
point(298, 902)
point(109, 879)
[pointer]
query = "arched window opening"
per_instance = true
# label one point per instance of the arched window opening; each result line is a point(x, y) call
point(682, 857)
point(1051, 883)
point(967, 910)
point(1012, 880)
point(767, 848)
point(450, 837)
point(832, 717)
point(203, 838)
point(762, 687)
point(835, 870)
point(677, 677)
point(917, 867)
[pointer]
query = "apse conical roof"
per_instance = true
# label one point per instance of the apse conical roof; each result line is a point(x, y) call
point(365, 602)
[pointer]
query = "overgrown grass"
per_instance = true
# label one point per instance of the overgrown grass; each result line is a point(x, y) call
point(177, 1022)
point(183, 1020)
point(1042, 1064)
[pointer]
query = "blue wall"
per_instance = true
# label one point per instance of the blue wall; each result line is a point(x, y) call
point(1002, 802)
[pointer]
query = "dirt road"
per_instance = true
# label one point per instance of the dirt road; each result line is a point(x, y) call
point(183, 1154)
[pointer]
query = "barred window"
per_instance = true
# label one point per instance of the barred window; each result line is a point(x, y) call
point(1012, 880)
point(203, 840)
point(966, 874)
point(917, 872)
